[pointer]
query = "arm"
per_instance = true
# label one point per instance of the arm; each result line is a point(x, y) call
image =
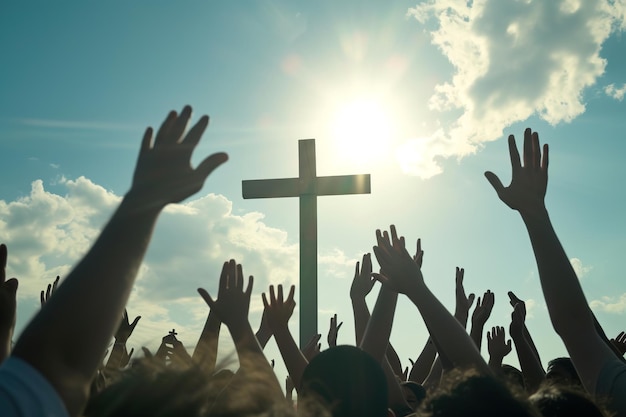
point(333, 331)
point(463, 303)
point(480, 316)
point(278, 313)
point(8, 305)
point(569, 312)
point(376, 338)
point(404, 276)
point(423, 364)
point(264, 334)
point(92, 298)
point(362, 284)
point(497, 348)
point(527, 354)
point(232, 308)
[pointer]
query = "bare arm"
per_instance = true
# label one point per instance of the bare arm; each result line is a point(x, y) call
point(8, 305)
point(567, 306)
point(92, 298)
point(423, 364)
point(405, 277)
point(480, 316)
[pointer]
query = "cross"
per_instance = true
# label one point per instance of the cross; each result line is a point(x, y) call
point(307, 187)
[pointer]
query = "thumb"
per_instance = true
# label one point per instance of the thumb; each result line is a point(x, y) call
point(494, 181)
point(11, 285)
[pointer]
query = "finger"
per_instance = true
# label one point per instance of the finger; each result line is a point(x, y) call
point(249, 287)
point(394, 233)
point(146, 141)
point(195, 133)
point(545, 159)
point(536, 151)
point(513, 299)
point(239, 277)
point(223, 279)
point(165, 127)
point(280, 293)
point(130, 354)
point(180, 125)
point(528, 148)
point(292, 292)
point(231, 280)
point(412, 362)
point(339, 326)
point(470, 300)
point(514, 154)
point(55, 284)
point(134, 323)
point(265, 303)
point(495, 182)
point(356, 269)
point(209, 165)
point(367, 264)
point(48, 292)
point(207, 298)
point(146, 352)
point(41, 298)
point(272, 295)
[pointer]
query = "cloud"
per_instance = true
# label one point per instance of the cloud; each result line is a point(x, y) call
point(580, 269)
point(615, 92)
point(512, 59)
point(610, 304)
point(47, 232)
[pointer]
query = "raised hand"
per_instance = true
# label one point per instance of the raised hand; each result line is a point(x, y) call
point(496, 345)
point(45, 296)
point(463, 303)
point(312, 347)
point(400, 272)
point(620, 342)
point(333, 331)
point(529, 181)
point(518, 316)
point(362, 283)
point(233, 303)
point(8, 305)
point(163, 173)
point(126, 328)
point(483, 308)
point(279, 311)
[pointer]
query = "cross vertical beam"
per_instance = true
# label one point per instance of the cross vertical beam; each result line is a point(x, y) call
point(307, 187)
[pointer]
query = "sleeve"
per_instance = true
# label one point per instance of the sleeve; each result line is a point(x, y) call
point(25, 392)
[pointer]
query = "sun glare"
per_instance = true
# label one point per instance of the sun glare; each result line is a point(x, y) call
point(361, 129)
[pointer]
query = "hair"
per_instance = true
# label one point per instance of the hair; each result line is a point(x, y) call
point(561, 401)
point(343, 381)
point(566, 375)
point(418, 391)
point(513, 376)
point(467, 393)
point(151, 389)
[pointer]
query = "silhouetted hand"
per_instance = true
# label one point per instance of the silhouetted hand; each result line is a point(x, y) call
point(333, 331)
point(8, 303)
point(279, 311)
point(45, 296)
point(362, 283)
point(163, 173)
point(233, 303)
point(125, 329)
point(529, 181)
point(518, 316)
point(496, 344)
point(463, 303)
point(483, 308)
point(419, 254)
point(312, 347)
point(399, 270)
point(620, 342)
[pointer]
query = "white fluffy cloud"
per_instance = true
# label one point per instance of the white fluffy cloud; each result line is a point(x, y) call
point(615, 92)
point(47, 232)
point(615, 305)
point(512, 59)
point(580, 269)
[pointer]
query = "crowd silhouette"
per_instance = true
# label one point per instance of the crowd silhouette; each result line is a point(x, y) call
point(56, 367)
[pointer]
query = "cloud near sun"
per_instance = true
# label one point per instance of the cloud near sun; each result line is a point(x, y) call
point(512, 59)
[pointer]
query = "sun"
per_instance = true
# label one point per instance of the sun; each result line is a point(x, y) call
point(361, 129)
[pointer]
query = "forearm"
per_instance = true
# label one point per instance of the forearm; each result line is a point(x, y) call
point(448, 332)
point(394, 360)
point(5, 343)
point(476, 334)
point(89, 303)
point(292, 356)
point(376, 338)
point(263, 337)
point(397, 399)
point(117, 354)
point(532, 370)
point(205, 353)
point(564, 296)
point(423, 364)
point(361, 318)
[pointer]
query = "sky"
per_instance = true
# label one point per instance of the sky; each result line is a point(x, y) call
point(421, 95)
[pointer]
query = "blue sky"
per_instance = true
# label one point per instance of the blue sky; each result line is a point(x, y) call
point(421, 95)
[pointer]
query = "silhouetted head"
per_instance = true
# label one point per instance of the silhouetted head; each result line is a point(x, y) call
point(513, 376)
point(561, 401)
point(562, 371)
point(345, 381)
point(466, 393)
point(414, 393)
